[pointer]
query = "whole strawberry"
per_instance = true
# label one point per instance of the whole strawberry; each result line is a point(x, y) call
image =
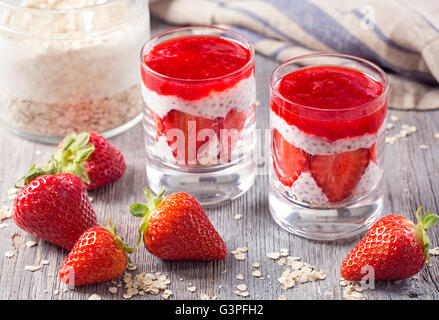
point(394, 247)
point(54, 208)
point(177, 228)
point(91, 157)
point(99, 255)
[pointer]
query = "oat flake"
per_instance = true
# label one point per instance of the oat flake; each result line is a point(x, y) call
point(95, 296)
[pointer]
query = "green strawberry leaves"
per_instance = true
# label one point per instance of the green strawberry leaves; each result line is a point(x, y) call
point(140, 210)
point(426, 221)
point(34, 172)
point(76, 149)
point(112, 229)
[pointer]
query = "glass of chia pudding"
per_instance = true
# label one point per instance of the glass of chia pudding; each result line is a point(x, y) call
point(327, 121)
point(198, 87)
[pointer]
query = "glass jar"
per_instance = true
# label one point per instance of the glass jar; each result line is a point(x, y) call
point(71, 66)
point(327, 120)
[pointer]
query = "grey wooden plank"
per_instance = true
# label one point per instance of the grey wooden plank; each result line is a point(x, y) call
point(411, 180)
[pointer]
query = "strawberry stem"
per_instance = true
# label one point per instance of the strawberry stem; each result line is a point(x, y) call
point(76, 149)
point(112, 229)
point(426, 221)
point(34, 172)
point(143, 210)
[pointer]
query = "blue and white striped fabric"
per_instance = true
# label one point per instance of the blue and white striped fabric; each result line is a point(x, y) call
point(402, 36)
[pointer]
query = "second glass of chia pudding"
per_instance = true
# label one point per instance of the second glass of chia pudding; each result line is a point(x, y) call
point(327, 115)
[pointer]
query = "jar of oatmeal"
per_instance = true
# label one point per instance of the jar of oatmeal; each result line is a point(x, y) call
point(71, 65)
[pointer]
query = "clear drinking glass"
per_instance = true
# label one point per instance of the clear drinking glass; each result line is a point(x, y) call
point(327, 121)
point(199, 133)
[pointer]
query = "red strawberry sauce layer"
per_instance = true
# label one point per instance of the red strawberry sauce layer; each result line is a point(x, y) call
point(330, 102)
point(195, 58)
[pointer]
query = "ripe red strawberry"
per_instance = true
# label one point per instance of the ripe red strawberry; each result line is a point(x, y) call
point(338, 174)
point(91, 157)
point(177, 228)
point(54, 208)
point(288, 161)
point(395, 247)
point(99, 255)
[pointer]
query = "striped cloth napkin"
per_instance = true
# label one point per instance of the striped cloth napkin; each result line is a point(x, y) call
point(402, 36)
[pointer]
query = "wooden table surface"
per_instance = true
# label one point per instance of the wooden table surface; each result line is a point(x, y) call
point(412, 179)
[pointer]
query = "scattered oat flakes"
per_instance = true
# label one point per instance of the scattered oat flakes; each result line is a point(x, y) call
point(282, 298)
point(3, 225)
point(30, 243)
point(32, 268)
point(9, 254)
point(131, 267)
point(242, 293)
point(167, 294)
point(112, 290)
point(237, 216)
point(38, 152)
point(44, 262)
point(423, 146)
point(391, 140)
point(344, 283)
point(192, 289)
point(282, 261)
point(239, 253)
point(284, 252)
point(90, 199)
point(240, 256)
point(273, 255)
point(299, 272)
point(143, 283)
point(409, 129)
point(352, 291)
point(257, 274)
point(95, 296)
point(240, 276)
point(436, 135)
point(434, 251)
point(389, 126)
point(5, 213)
point(394, 118)
point(55, 292)
point(204, 296)
point(241, 287)
point(239, 250)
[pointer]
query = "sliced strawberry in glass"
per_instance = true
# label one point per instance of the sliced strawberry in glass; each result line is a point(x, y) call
point(180, 127)
point(337, 175)
point(289, 161)
point(231, 130)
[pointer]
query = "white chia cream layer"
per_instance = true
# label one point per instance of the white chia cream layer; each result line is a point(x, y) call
point(217, 104)
point(318, 146)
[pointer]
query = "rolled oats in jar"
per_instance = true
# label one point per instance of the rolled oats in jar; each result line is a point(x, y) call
point(70, 65)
